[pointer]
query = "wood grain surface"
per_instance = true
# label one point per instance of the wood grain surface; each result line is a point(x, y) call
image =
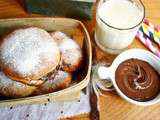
point(112, 106)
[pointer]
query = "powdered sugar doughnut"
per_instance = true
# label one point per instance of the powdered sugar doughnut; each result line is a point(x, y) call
point(71, 53)
point(58, 81)
point(28, 54)
point(58, 35)
point(14, 89)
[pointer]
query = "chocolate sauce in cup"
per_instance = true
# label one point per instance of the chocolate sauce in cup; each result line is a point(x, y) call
point(138, 80)
point(135, 75)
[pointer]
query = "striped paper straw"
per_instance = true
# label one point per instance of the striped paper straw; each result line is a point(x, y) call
point(147, 42)
point(151, 31)
point(148, 23)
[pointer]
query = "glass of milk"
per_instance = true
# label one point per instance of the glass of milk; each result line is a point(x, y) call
point(117, 22)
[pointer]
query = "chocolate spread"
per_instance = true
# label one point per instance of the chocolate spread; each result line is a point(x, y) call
point(138, 80)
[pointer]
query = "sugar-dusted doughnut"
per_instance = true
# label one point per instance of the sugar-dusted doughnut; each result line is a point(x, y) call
point(28, 54)
point(59, 80)
point(14, 89)
point(71, 53)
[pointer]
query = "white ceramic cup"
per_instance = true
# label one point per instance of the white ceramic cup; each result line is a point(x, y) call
point(109, 72)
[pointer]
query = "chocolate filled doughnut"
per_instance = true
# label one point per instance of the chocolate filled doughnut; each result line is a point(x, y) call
point(28, 54)
point(13, 89)
point(138, 80)
point(71, 53)
point(57, 81)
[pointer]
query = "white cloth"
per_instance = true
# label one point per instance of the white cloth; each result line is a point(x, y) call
point(50, 111)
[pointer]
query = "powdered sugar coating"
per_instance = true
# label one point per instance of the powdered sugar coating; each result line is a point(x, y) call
point(27, 50)
point(71, 52)
point(12, 88)
point(70, 49)
point(61, 80)
point(58, 35)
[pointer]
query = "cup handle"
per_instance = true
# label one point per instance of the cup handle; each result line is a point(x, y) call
point(104, 74)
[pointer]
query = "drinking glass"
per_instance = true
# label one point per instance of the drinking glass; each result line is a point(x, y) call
point(115, 39)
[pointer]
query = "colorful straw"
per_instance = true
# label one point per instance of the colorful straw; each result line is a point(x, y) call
point(147, 42)
point(151, 31)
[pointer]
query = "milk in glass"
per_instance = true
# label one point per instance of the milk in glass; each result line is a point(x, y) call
point(117, 24)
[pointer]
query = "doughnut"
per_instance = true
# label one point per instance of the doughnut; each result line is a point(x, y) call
point(71, 53)
point(28, 54)
point(13, 89)
point(58, 81)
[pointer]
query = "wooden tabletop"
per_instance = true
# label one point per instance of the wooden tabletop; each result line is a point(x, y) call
point(112, 106)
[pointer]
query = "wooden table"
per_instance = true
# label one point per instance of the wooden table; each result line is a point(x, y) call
point(112, 106)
